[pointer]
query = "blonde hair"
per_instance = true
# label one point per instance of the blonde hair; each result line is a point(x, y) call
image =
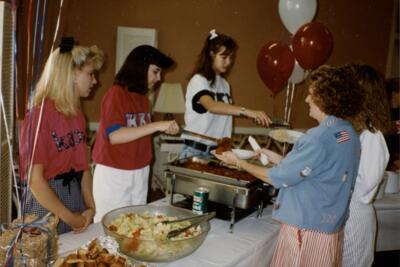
point(57, 80)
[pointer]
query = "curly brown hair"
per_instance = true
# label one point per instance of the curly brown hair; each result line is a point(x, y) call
point(375, 113)
point(335, 92)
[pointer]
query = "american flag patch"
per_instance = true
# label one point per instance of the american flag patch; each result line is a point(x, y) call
point(342, 136)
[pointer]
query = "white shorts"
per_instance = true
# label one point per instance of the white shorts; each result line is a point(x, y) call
point(114, 188)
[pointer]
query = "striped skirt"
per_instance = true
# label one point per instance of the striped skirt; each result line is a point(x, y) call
point(359, 235)
point(304, 248)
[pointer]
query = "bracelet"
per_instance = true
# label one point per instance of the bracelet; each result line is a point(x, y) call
point(238, 165)
point(242, 111)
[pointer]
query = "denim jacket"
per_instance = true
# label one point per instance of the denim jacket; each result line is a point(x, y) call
point(317, 177)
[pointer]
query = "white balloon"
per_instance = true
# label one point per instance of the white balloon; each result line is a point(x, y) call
point(297, 75)
point(295, 13)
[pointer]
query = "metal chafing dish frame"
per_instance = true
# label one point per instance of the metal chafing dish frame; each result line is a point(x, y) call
point(225, 190)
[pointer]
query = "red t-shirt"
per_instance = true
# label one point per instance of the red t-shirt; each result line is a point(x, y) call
point(121, 108)
point(61, 143)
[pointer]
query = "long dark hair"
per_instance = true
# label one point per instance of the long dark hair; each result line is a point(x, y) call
point(375, 112)
point(133, 72)
point(213, 43)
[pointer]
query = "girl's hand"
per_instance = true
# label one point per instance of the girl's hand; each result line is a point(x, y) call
point(259, 117)
point(76, 221)
point(173, 128)
point(88, 215)
point(272, 156)
point(168, 127)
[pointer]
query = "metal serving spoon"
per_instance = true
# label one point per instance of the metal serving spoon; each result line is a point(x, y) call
point(176, 232)
point(196, 217)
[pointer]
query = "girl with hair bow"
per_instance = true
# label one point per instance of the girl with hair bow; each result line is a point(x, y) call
point(54, 161)
point(209, 107)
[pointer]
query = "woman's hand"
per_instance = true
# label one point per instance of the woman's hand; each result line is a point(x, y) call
point(272, 156)
point(228, 157)
point(259, 117)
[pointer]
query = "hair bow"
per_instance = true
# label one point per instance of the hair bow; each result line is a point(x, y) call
point(66, 45)
point(213, 34)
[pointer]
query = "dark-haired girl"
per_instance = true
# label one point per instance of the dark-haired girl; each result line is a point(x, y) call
point(209, 108)
point(123, 148)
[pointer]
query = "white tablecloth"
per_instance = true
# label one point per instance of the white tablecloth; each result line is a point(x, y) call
point(252, 242)
point(388, 216)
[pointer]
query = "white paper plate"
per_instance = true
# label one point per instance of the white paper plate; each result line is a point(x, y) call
point(285, 136)
point(244, 154)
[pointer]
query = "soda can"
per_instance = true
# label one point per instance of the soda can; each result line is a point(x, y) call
point(200, 200)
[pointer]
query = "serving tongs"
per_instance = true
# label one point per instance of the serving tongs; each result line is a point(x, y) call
point(195, 220)
point(216, 140)
point(192, 218)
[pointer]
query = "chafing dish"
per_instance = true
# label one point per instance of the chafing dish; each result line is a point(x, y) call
point(227, 186)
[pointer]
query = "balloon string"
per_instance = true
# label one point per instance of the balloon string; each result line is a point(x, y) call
point(28, 29)
point(39, 60)
point(57, 27)
point(9, 140)
point(291, 102)
point(14, 88)
point(33, 151)
point(54, 39)
point(286, 103)
point(41, 111)
point(15, 83)
point(30, 75)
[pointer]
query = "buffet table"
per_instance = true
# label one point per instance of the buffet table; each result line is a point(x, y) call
point(253, 240)
point(388, 216)
point(251, 244)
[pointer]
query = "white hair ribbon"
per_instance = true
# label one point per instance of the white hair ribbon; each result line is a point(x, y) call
point(213, 34)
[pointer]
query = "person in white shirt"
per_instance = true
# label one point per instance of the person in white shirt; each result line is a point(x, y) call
point(209, 107)
point(372, 123)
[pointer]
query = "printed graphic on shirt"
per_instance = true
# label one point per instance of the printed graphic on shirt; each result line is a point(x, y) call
point(342, 136)
point(137, 119)
point(328, 218)
point(344, 177)
point(330, 122)
point(306, 172)
point(71, 139)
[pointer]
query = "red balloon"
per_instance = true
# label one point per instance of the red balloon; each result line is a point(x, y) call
point(312, 45)
point(275, 63)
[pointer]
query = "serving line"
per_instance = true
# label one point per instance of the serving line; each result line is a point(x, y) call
point(251, 244)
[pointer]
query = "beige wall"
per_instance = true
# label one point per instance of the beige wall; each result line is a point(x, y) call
point(360, 29)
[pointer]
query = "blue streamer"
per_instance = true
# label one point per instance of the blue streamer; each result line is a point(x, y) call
point(40, 42)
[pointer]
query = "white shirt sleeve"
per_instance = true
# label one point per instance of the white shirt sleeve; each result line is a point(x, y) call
point(373, 162)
